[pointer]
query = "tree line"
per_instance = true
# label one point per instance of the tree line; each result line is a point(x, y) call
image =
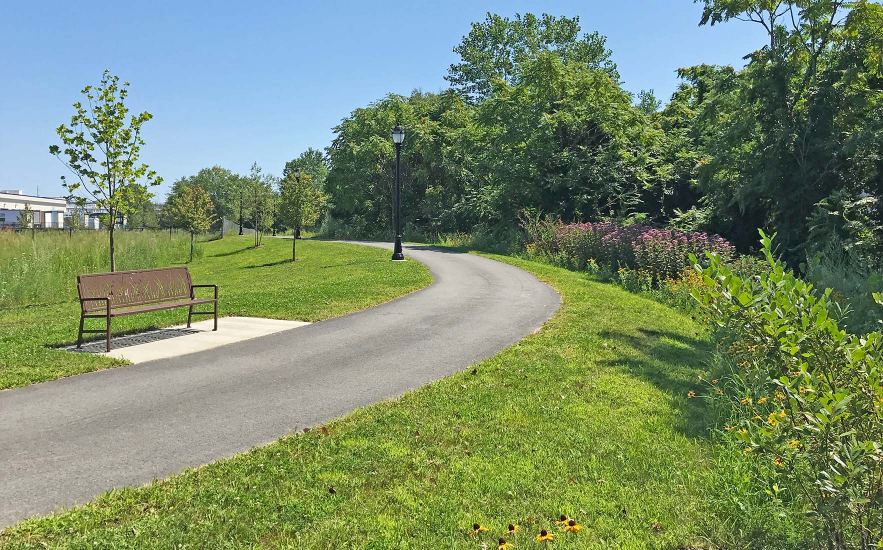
point(537, 121)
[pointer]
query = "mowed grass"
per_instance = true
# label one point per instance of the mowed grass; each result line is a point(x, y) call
point(328, 279)
point(589, 418)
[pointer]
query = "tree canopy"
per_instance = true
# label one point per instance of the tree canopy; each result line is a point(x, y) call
point(536, 120)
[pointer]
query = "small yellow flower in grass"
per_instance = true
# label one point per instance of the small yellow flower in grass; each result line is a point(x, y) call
point(780, 396)
point(772, 419)
point(572, 527)
point(781, 414)
point(691, 395)
point(544, 536)
point(503, 545)
point(747, 450)
point(476, 528)
point(511, 530)
point(743, 431)
point(746, 401)
point(779, 462)
point(715, 381)
point(730, 428)
point(802, 389)
point(794, 444)
point(761, 401)
point(756, 417)
point(720, 392)
point(562, 520)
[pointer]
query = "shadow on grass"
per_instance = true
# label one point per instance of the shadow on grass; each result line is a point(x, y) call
point(362, 262)
point(232, 252)
point(271, 264)
point(671, 362)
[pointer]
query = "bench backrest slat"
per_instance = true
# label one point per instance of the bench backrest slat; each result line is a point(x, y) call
point(134, 288)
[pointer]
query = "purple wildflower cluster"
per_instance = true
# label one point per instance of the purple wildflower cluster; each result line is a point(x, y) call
point(662, 253)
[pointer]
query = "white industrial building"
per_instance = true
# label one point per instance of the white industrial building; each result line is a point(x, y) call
point(48, 212)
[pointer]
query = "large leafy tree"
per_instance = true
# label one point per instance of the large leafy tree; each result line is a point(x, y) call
point(565, 140)
point(800, 127)
point(497, 48)
point(101, 148)
point(223, 187)
point(312, 162)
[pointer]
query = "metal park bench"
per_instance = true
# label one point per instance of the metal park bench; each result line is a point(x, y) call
point(108, 295)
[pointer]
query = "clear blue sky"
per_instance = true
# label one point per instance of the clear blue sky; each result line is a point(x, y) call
point(230, 83)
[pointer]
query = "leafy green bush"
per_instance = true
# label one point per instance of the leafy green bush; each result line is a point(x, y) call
point(854, 278)
point(806, 396)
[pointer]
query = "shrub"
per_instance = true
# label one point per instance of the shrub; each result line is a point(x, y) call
point(806, 396)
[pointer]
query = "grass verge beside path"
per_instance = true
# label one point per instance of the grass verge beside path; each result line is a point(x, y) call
point(588, 418)
point(328, 279)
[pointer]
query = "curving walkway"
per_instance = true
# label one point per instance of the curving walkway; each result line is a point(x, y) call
point(67, 441)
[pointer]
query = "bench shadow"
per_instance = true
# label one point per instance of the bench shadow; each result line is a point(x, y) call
point(673, 363)
point(129, 340)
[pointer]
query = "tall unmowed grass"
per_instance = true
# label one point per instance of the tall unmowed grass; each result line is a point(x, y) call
point(42, 267)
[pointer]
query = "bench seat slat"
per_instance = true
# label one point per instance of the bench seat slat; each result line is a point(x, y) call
point(157, 307)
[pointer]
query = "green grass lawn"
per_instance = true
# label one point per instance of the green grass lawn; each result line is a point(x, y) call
point(329, 279)
point(589, 418)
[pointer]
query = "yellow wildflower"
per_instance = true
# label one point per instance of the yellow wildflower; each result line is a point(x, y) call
point(512, 529)
point(794, 444)
point(778, 462)
point(715, 381)
point(503, 545)
point(730, 428)
point(476, 528)
point(747, 450)
point(746, 401)
point(572, 527)
point(691, 394)
point(780, 396)
point(772, 419)
point(544, 536)
point(761, 400)
point(802, 389)
point(743, 431)
point(756, 417)
point(562, 520)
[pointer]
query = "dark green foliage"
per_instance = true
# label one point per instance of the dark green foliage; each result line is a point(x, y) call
point(538, 121)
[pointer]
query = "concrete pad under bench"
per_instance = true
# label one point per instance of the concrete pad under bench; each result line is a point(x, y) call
point(180, 340)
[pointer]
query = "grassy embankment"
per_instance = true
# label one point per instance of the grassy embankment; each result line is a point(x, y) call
point(39, 311)
point(589, 418)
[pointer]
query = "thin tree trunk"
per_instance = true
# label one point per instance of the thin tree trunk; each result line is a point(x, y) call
point(113, 263)
point(191, 247)
point(293, 245)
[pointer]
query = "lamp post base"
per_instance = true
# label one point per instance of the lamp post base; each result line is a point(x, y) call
point(397, 255)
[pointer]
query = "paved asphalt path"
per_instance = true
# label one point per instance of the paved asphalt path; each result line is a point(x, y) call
point(67, 441)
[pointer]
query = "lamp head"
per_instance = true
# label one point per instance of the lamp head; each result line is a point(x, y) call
point(398, 134)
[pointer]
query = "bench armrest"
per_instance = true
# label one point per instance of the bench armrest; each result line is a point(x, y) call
point(104, 299)
point(203, 286)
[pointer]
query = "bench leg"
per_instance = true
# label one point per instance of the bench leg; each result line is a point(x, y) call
point(216, 315)
point(80, 333)
point(108, 333)
point(189, 316)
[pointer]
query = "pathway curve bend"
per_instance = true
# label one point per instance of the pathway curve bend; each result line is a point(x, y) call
point(67, 441)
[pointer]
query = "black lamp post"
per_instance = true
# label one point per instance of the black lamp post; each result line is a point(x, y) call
point(296, 231)
point(398, 136)
point(274, 215)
